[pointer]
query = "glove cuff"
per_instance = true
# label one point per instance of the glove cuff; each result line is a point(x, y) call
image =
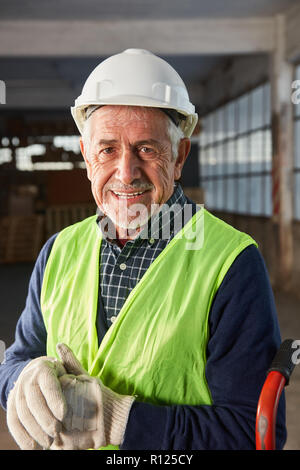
point(116, 410)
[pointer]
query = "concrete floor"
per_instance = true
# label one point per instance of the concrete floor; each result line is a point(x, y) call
point(12, 305)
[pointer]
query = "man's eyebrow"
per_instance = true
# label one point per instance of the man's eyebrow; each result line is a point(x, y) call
point(147, 141)
point(107, 141)
point(137, 143)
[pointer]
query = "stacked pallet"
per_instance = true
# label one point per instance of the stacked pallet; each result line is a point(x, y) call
point(21, 238)
point(59, 217)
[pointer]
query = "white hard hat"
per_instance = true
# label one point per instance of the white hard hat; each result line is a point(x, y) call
point(136, 77)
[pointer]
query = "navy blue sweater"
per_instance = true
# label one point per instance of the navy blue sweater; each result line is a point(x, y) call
point(244, 336)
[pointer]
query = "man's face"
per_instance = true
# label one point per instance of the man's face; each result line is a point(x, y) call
point(129, 161)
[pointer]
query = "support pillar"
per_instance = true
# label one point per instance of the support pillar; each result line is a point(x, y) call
point(282, 158)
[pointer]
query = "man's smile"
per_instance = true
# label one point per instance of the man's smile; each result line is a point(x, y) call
point(133, 196)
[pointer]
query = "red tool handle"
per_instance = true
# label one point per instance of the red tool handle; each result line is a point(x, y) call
point(267, 411)
point(278, 376)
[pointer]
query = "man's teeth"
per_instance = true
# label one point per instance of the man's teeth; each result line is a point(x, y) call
point(128, 195)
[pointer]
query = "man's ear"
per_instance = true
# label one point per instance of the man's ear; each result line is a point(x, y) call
point(183, 151)
point(84, 154)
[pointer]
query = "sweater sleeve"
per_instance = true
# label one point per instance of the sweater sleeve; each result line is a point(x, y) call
point(244, 336)
point(30, 336)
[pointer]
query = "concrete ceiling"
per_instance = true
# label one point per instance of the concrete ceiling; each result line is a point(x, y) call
point(141, 9)
point(54, 82)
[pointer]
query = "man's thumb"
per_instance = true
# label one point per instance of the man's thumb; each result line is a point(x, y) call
point(70, 362)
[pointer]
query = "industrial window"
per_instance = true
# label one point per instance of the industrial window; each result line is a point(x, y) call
point(297, 153)
point(235, 155)
point(42, 153)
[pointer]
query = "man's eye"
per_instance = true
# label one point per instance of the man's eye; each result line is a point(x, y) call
point(146, 150)
point(108, 150)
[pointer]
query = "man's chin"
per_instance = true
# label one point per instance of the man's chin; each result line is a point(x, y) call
point(131, 219)
point(116, 225)
point(135, 224)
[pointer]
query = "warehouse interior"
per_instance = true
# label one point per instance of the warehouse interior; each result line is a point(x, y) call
point(240, 61)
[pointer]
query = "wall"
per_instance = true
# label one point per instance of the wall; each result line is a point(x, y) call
point(293, 34)
point(68, 187)
point(263, 230)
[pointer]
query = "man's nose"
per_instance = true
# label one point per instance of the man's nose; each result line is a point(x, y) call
point(128, 166)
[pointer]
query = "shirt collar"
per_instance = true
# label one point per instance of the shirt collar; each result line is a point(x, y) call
point(161, 224)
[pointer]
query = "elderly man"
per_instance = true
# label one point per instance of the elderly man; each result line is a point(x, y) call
point(134, 336)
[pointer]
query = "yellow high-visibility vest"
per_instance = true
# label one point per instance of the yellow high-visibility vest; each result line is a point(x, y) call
point(156, 348)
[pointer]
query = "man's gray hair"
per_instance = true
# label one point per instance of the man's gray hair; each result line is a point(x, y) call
point(175, 135)
point(175, 132)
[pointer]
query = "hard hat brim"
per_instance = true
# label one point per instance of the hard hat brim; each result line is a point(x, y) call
point(78, 111)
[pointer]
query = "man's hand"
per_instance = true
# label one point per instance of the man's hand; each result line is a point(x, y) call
point(96, 415)
point(36, 405)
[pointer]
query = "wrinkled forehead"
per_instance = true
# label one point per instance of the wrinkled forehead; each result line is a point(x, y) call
point(126, 113)
point(136, 117)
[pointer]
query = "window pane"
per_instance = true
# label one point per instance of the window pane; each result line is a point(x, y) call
point(219, 194)
point(267, 150)
point(242, 195)
point(230, 157)
point(257, 108)
point(297, 195)
point(257, 156)
point(204, 163)
point(208, 194)
point(212, 160)
point(243, 113)
point(231, 194)
point(67, 142)
point(225, 157)
point(256, 195)
point(201, 162)
point(297, 143)
point(242, 155)
point(267, 104)
point(231, 119)
point(219, 124)
point(24, 154)
point(203, 133)
point(5, 155)
point(267, 194)
point(219, 159)
point(209, 129)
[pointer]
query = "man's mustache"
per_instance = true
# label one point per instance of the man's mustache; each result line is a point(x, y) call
point(139, 186)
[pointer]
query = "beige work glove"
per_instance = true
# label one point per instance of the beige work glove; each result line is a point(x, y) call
point(96, 415)
point(36, 405)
